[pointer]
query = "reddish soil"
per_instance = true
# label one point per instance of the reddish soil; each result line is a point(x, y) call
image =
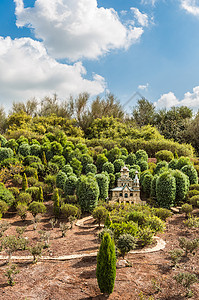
point(76, 279)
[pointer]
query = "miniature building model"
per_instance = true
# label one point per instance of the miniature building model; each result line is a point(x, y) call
point(127, 190)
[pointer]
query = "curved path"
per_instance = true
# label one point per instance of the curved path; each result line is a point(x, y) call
point(159, 246)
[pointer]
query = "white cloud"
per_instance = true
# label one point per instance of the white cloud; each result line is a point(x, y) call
point(191, 6)
point(143, 87)
point(141, 18)
point(190, 99)
point(149, 2)
point(26, 70)
point(76, 29)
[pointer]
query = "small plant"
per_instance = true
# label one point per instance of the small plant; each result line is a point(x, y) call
point(99, 214)
point(22, 210)
point(187, 209)
point(3, 227)
point(21, 230)
point(143, 297)
point(175, 256)
point(103, 231)
point(11, 244)
point(45, 237)
point(125, 243)
point(71, 219)
point(192, 222)
point(186, 280)
point(189, 246)
point(36, 251)
point(10, 273)
point(156, 286)
point(63, 227)
point(35, 222)
point(53, 222)
point(145, 236)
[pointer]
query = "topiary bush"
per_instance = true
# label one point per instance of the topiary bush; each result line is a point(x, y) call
point(25, 198)
point(164, 155)
point(166, 190)
point(161, 165)
point(187, 209)
point(69, 210)
point(35, 150)
point(146, 184)
point(5, 153)
point(183, 161)
point(143, 165)
point(67, 169)
point(162, 213)
point(190, 171)
point(24, 149)
point(36, 208)
point(61, 180)
point(103, 183)
point(70, 185)
point(6, 196)
point(194, 201)
point(173, 164)
point(118, 164)
point(33, 191)
point(182, 186)
point(138, 217)
point(192, 193)
point(153, 187)
point(131, 159)
point(91, 168)
point(141, 155)
point(108, 167)
point(194, 187)
point(125, 243)
point(28, 160)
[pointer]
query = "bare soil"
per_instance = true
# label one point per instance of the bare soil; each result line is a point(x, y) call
point(151, 274)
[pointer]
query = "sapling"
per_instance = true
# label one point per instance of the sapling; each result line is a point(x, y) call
point(36, 251)
point(71, 219)
point(53, 222)
point(187, 209)
point(21, 230)
point(63, 227)
point(35, 222)
point(10, 273)
point(3, 227)
point(11, 244)
point(45, 237)
point(189, 246)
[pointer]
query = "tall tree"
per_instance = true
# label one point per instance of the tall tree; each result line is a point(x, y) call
point(144, 112)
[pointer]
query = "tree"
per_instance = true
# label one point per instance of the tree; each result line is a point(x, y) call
point(106, 265)
point(103, 183)
point(100, 213)
point(125, 243)
point(144, 112)
point(69, 210)
point(70, 185)
point(101, 160)
point(166, 190)
point(87, 193)
point(40, 195)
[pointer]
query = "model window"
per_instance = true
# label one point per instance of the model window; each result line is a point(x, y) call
point(131, 194)
point(120, 194)
point(126, 195)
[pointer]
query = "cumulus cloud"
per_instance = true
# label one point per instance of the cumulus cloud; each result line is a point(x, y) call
point(143, 86)
point(190, 99)
point(141, 18)
point(76, 29)
point(191, 6)
point(26, 70)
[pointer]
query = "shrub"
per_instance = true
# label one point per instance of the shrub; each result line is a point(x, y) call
point(125, 243)
point(124, 227)
point(6, 196)
point(161, 165)
point(36, 251)
point(106, 265)
point(166, 190)
point(5, 153)
point(182, 185)
point(189, 246)
point(87, 193)
point(61, 179)
point(194, 201)
point(56, 148)
point(50, 180)
point(191, 173)
point(187, 209)
point(118, 164)
point(10, 273)
point(183, 161)
point(141, 155)
point(100, 214)
point(70, 185)
point(3, 207)
point(143, 165)
point(53, 168)
point(108, 167)
point(91, 168)
point(103, 231)
point(153, 186)
point(173, 164)
point(76, 165)
point(192, 222)
point(40, 195)
point(162, 213)
point(24, 149)
point(85, 160)
point(138, 217)
point(176, 255)
point(194, 187)
point(24, 182)
point(156, 224)
point(101, 159)
point(24, 198)
point(71, 199)
point(131, 159)
point(192, 193)
point(31, 172)
point(32, 181)
point(59, 160)
point(35, 150)
point(146, 184)
point(30, 159)
point(67, 169)
point(186, 280)
point(36, 208)
point(22, 209)
point(3, 140)
point(56, 204)
point(145, 236)
point(103, 183)
point(17, 180)
point(33, 191)
point(164, 155)
point(69, 210)
point(14, 191)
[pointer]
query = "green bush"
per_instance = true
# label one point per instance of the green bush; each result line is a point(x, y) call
point(138, 217)
point(153, 186)
point(35, 150)
point(85, 160)
point(182, 186)
point(145, 236)
point(192, 193)
point(162, 213)
point(131, 159)
point(60, 180)
point(194, 187)
point(71, 199)
point(194, 201)
point(24, 182)
point(25, 198)
point(36, 208)
point(11, 144)
point(56, 148)
point(33, 191)
point(70, 185)
point(124, 227)
point(50, 180)
point(103, 231)
point(166, 190)
point(183, 161)
point(192, 222)
point(31, 172)
point(91, 168)
point(108, 167)
point(3, 207)
point(146, 184)
point(125, 243)
point(17, 180)
point(106, 265)
point(103, 183)
point(173, 164)
point(99, 214)
point(76, 165)
point(161, 165)
point(28, 160)
point(187, 209)
point(59, 160)
point(191, 173)
point(164, 155)
point(143, 165)
point(101, 159)
point(69, 210)
point(118, 164)
point(189, 246)
point(155, 224)
point(56, 203)
point(24, 149)
point(5, 153)
point(68, 170)
point(32, 181)
point(6, 196)
point(141, 155)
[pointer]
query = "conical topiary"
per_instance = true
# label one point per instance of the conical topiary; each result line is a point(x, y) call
point(106, 265)
point(56, 207)
point(41, 195)
point(24, 182)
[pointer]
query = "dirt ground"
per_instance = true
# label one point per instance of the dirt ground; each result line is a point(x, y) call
point(151, 274)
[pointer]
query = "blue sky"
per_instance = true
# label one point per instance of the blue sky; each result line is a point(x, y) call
point(67, 47)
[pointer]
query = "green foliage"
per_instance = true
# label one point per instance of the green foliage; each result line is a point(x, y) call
point(11, 244)
point(186, 280)
point(176, 255)
point(187, 209)
point(155, 223)
point(5, 153)
point(131, 159)
point(146, 184)
point(76, 165)
point(6, 196)
point(31, 172)
point(35, 150)
point(192, 193)
point(141, 155)
point(190, 171)
point(85, 160)
point(3, 227)
point(87, 193)
point(69, 210)
point(153, 186)
point(194, 187)
point(10, 273)
point(166, 190)
point(70, 185)
point(56, 205)
point(194, 201)
point(106, 265)
point(56, 148)
point(103, 231)
point(162, 213)
point(36, 251)
point(164, 155)
point(99, 214)
point(103, 183)
point(91, 168)
point(173, 164)
point(67, 169)
point(108, 167)
point(58, 160)
point(125, 243)
point(36, 208)
point(40, 195)
point(145, 236)
point(24, 182)
point(22, 209)
point(50, 180)
point(124, 227)
point(113, 154)
point(61, 179)
point(101, 159)
point(25, 198)
point(28, 160)
point(118, 164)
point(143, 165)
point(161, 167)
point(138, 217)
point(192, 222)
point(189, 246)
point(183, 161)
point(3, 207)
point(182, 185)
point(24, 149)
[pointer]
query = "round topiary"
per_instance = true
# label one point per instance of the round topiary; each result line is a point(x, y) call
point(173, 164)
point(61, 179)
point(91, 168)
point(24, 198)
point(141, 155)
point(182, 185)
point(161, 165)
point(5, 153)
point(24, 149)
point(153, 186)
point(131, 159)
point(6, 196)
point(146, 184)
point(59, 160)
point(67, 169)
point(166, 190)
point(164, 155)
point(103, 183)
point(118, 164)
point(183, 161)
point(108, 167)
point(70, 185)
point(190, 171)
point(143, 165)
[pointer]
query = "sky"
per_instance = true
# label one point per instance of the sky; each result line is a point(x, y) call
point(130, 48)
